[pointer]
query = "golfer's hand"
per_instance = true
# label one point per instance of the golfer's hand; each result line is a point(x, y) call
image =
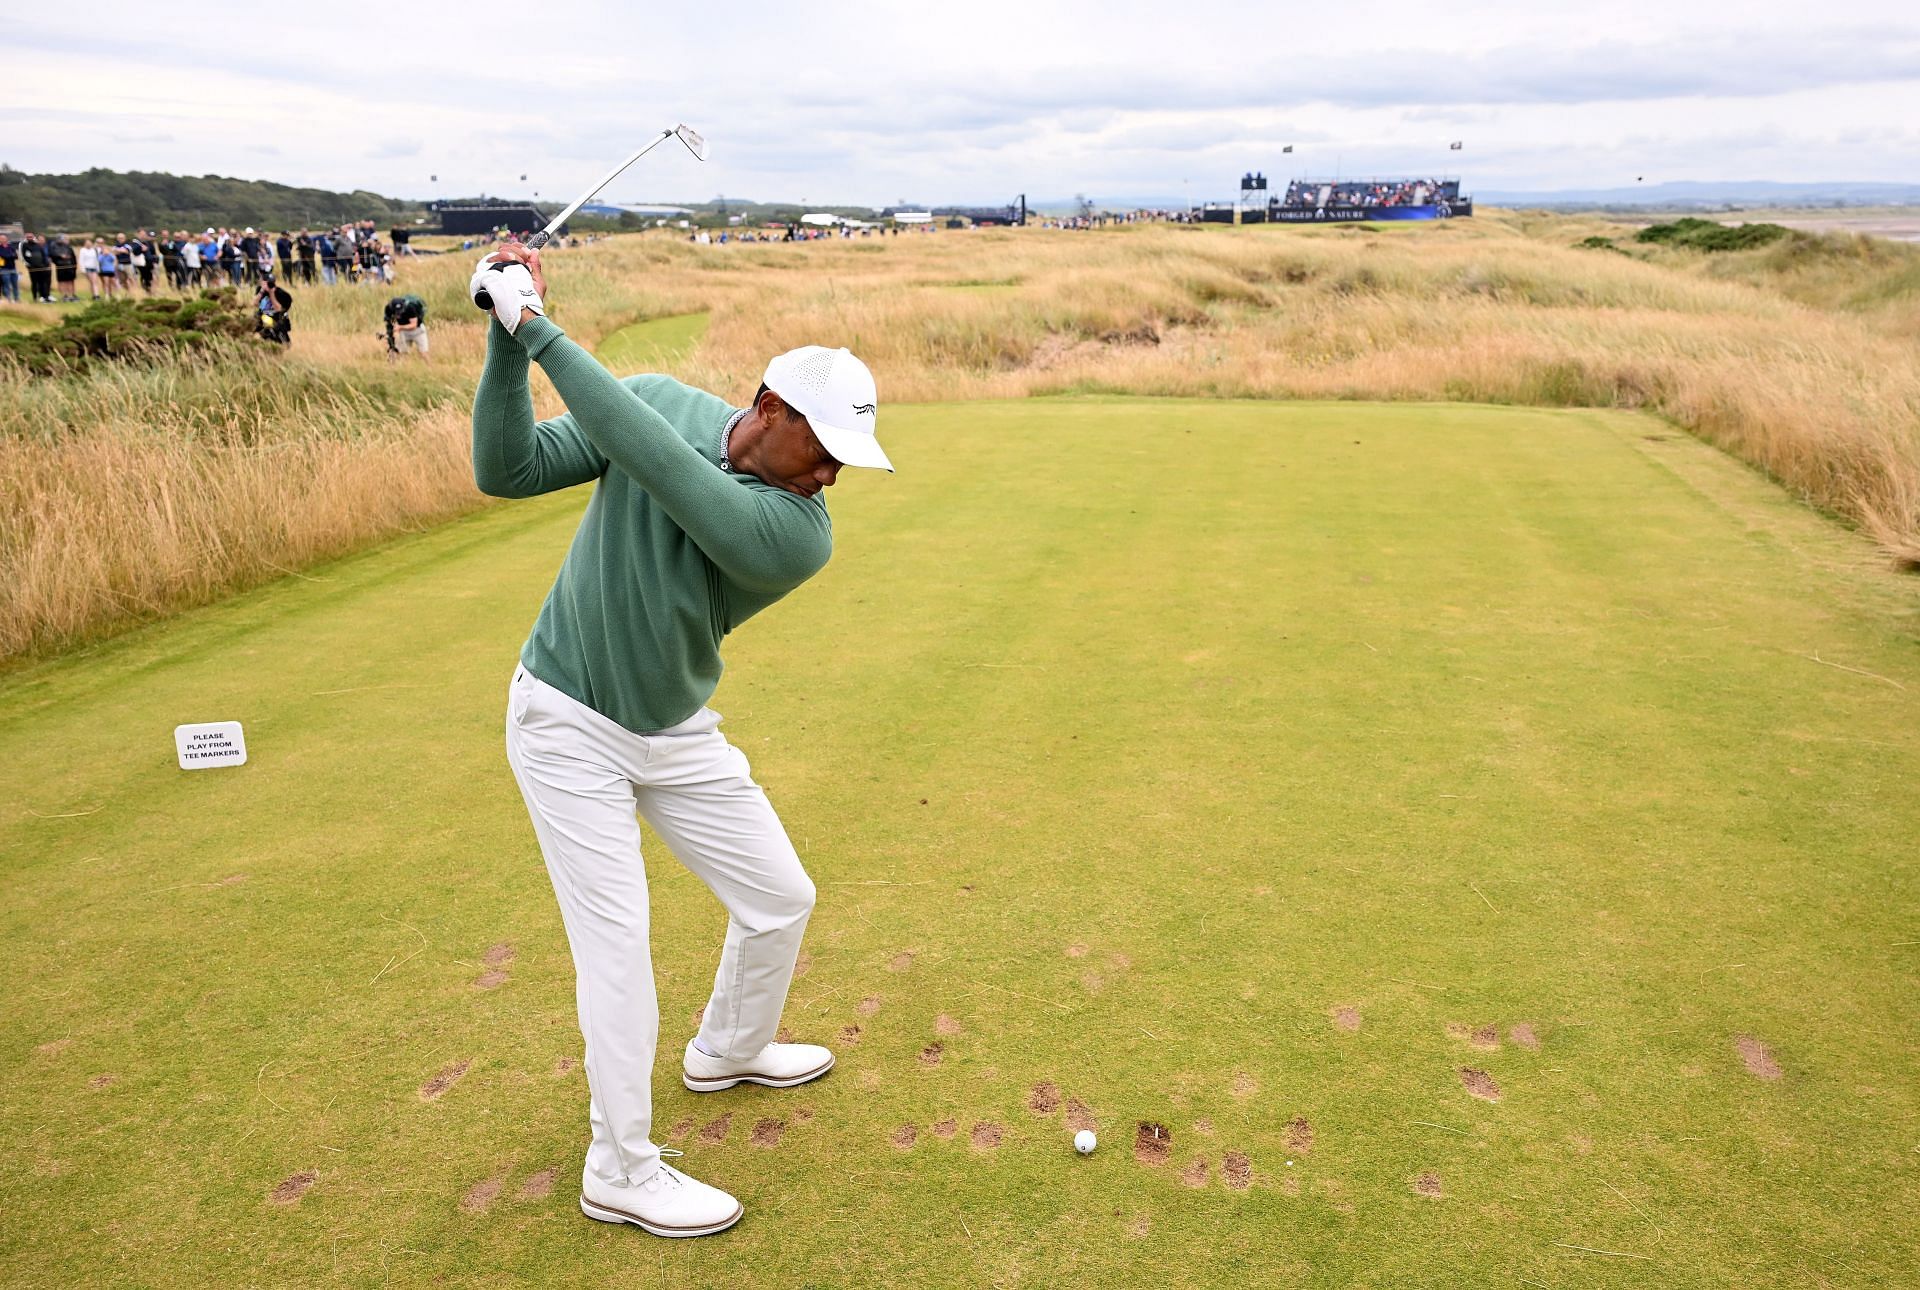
point(515, 253)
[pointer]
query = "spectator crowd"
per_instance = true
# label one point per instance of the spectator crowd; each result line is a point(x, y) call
point(56, 268)
point(1305, 193)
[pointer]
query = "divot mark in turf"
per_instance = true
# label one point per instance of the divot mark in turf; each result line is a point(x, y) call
point(53, 1047)
point(1486, 1038)
point(681, 1129)
point(1757, 1057)
point(945, 1025)
point(293, 1187)
point(1346, 1018)
point(1119, 962)
point(449, 1076)
point(1480, 1084)
point(986, 1136)
point(482, 1194)
point(802, 965)
point(1079, 1115)
point(564, 1065)
point(931, 1054)
point(1522, 1033)
point(803, 1116)
point(104, 1080)
point(1245, 1086)
point(1203, 1127)
point(901, 961)
point(1077, 950)
point(1152, 1143)
point(715, 1131)
point(783, 1036)
point(1237, 1170)
point(945, 1129)
point(849, 1035)
point(1427, 1184)
point(1299, 1136)
point(904, 1137)
point(1093, 982)
point(699, 1016)
point(233, 878)
point(540, 1185)
point(1044, 1099)
point(496, 958)
point(868, 1006)
point(768, 1132)
point(1140, 1226)
point(1196, 1174)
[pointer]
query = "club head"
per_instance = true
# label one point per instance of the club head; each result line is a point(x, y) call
point(691, 137)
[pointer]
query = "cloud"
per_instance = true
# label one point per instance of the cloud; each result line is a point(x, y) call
point(1132, 96)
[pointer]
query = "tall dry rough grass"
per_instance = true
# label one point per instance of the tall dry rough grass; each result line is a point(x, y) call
point(130, 494)
point(134, 492)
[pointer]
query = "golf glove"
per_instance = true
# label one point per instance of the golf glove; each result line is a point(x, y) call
point(506, 288)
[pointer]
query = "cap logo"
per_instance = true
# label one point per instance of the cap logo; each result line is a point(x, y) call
point(863, 407)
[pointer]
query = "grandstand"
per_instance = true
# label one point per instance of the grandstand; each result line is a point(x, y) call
point(1315, 200)
point(465, 217)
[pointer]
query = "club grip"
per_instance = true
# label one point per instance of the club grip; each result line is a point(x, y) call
point(539, 240)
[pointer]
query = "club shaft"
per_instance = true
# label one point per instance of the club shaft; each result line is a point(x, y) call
point(541, 238)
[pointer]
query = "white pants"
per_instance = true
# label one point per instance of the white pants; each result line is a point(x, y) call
point(583, 776)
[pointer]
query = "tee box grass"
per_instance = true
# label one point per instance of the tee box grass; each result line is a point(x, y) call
point(1431, 845)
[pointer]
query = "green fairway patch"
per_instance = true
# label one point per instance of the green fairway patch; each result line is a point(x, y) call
point(655, 345)
point(1427, 844)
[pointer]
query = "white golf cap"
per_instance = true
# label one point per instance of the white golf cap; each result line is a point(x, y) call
point(834, 391)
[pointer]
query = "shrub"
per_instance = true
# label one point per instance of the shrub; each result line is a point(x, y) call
point(1706, 235)
point(134, 331)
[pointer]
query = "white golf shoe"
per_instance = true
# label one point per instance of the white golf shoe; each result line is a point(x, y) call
point(776, 1066)
point(668, 1203)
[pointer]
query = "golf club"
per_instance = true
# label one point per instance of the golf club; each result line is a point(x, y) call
point(685, 133)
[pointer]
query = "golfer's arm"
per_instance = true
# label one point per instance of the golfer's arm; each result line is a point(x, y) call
point(513, 456)
point(762, 539)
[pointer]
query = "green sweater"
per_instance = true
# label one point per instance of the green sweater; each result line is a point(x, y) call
point(673, 552)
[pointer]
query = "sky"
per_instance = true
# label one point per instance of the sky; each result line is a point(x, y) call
point(974, 101)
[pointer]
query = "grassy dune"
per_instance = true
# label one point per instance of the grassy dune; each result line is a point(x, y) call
point(1480, 841)
point(135, 493)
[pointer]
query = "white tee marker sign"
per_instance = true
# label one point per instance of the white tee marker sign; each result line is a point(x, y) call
point(210, 744)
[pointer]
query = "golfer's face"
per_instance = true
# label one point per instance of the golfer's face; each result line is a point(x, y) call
point(795, 460)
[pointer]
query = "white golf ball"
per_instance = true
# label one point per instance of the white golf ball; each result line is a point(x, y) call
point(1084, 1142)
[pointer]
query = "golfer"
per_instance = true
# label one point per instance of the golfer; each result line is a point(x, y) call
point(702, 515)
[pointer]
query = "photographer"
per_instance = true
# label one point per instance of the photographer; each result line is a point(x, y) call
point(407, 327)
point(274, 304)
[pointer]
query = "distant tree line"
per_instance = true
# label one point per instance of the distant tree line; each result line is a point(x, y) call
point(100, 199)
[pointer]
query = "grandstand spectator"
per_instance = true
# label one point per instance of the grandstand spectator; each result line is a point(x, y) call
point(189, 253)
point(283, 245)
point(303, 245)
